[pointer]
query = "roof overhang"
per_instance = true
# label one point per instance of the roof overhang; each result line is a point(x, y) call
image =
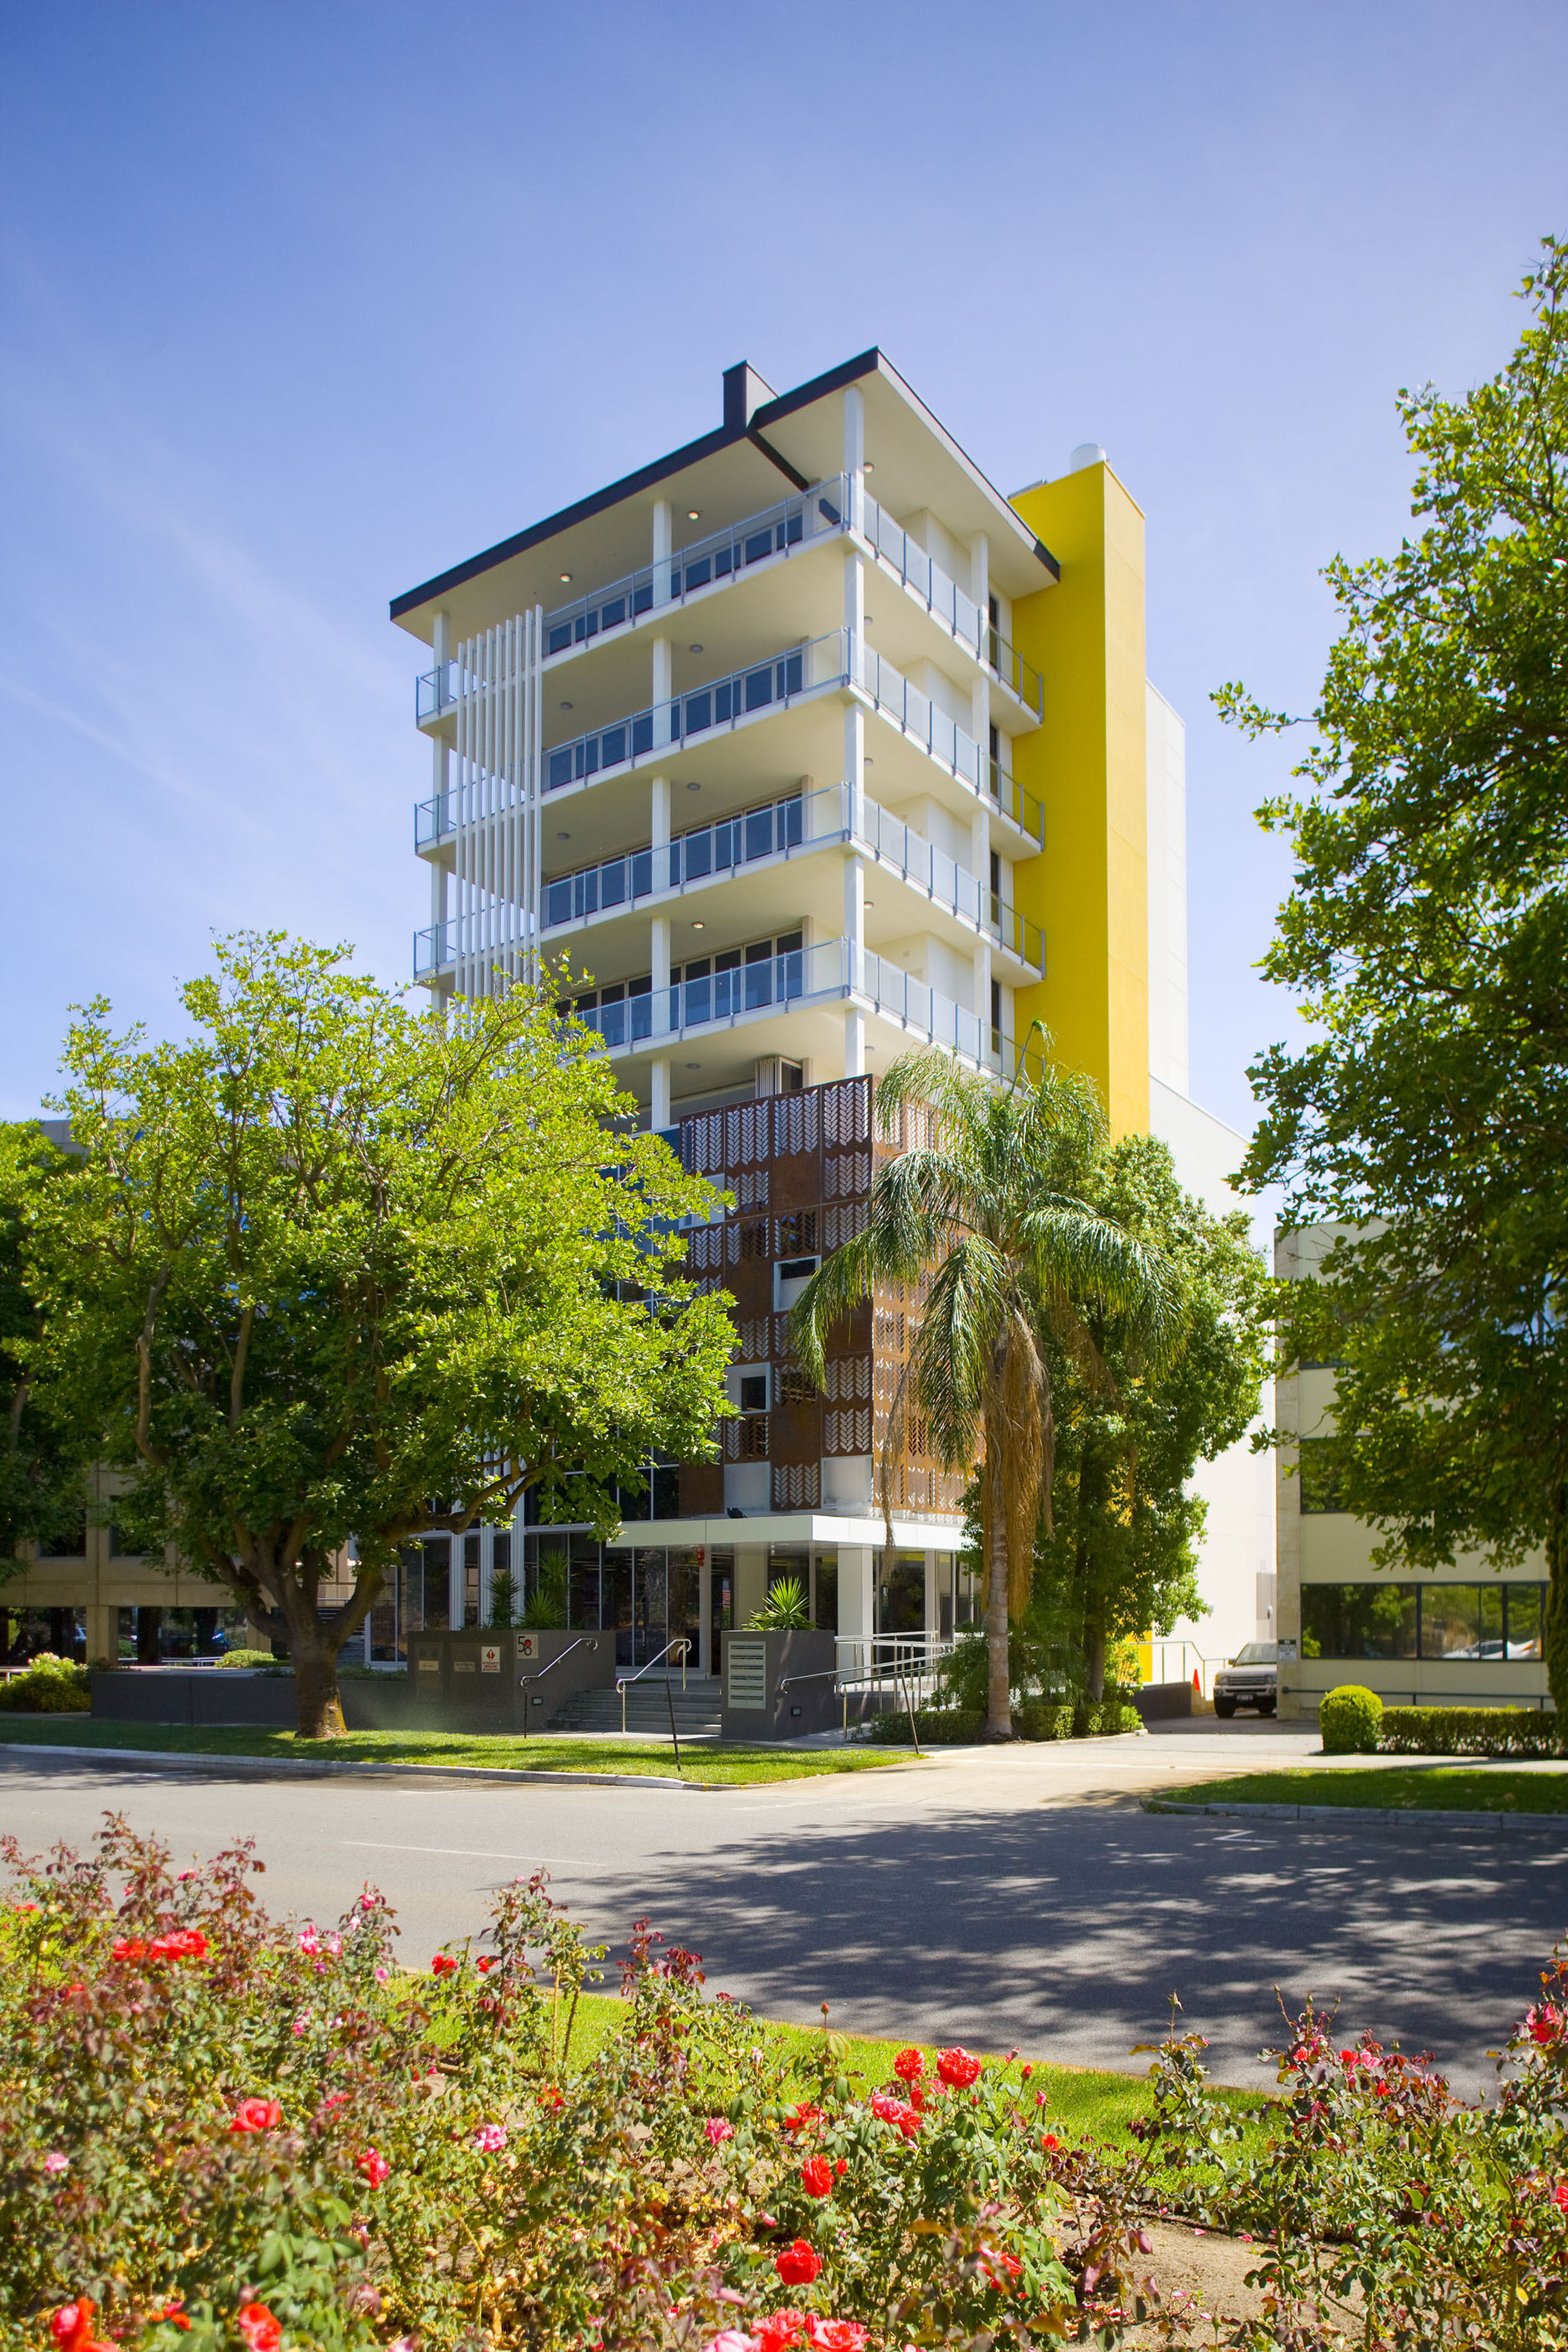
point(749, 462)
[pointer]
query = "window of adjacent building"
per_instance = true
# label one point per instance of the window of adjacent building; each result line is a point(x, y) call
point(70, 1545)
point(753, 1392)
point(1491, 1621)
point(1320, 1487)
point(798, 1233)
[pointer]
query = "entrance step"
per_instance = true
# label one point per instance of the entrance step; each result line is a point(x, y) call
point(648, 1709)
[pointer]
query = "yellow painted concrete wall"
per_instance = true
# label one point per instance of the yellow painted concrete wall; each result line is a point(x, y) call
point(1088, 767)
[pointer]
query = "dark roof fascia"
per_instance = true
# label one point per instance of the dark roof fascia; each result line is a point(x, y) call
point(583, 512)
point(773, 412)
point(875, 363)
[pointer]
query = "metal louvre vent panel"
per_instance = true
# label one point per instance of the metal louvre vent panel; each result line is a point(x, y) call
point(746, 1666)
point(798, 1485)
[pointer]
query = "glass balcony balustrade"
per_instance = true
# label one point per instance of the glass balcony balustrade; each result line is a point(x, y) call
point(812, 515)
point(833, 659)
point(800, 521)
point(805, 975)
point(804, 820)
point(946, 602)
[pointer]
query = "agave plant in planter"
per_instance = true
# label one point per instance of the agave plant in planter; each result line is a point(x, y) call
point(785, 1610)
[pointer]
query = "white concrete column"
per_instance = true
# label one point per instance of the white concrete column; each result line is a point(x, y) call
point(658, 948)
point(658, 832)
point(663, 548)
point(658, 1107)
point(442, 640)
point(855, 455)
point(854, 767)
point(854, 617)
point(980, 577)
point(857, 1578)
point(751, 1582)
point(854, 1042)
point(663, 688)
point(855, 923)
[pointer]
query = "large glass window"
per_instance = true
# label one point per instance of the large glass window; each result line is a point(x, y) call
point(1358, 1620)
point(1452, 1621)
point(1524, 1611)
point(1491, 1621)
point(1319, 1487)
point(824, 1604)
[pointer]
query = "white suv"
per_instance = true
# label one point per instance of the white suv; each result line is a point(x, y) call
point(1251, 1679)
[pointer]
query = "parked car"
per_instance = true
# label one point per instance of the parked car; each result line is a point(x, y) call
point(1251, 1679)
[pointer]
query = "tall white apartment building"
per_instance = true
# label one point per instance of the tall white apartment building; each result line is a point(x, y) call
point(797, 748)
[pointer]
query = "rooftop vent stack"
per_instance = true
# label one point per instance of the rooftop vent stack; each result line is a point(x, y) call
point(745, 393)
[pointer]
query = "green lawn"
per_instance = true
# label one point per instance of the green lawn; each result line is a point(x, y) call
point(718, 1767)
point(1081, 2102)
point(1457, 1788)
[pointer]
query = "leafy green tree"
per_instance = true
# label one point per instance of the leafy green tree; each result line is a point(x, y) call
point(1426, 939)
point(1119, 1554)
point(333, 1269)
point(990, 1211)
point(42, 1473)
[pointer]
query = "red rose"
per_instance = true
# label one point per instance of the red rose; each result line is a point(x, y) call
point(255, 2115)
point(833, 2335)
point(442, 1965)
point(375, 2167)
point(486, 1965)
point(173, 2314)
point(126, 1947)
point(1051, 2141)
point(1560, 2195)
point(957, 2068)
point(816, 2177)
point(798, 2265)
point(182, 1944)
point(261, 2330)
point(71, 2328)
point(909, 2065)
point(779, 2331)
point(800, 2118)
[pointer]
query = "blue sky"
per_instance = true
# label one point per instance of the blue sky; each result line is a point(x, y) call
point(303, 303)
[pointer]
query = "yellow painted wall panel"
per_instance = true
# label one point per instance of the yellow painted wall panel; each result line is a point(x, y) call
point(1088, 766)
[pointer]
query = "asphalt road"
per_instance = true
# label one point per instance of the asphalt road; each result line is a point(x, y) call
point(1015, 1900)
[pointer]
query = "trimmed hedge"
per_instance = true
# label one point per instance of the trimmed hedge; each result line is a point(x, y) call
point(1350, 1718)
point(1521, 1731)
point(1033, 1719)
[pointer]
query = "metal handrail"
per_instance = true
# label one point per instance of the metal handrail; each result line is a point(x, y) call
point(624, 1682)
point(583, 1641)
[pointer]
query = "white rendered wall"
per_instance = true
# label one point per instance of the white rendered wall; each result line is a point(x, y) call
point(1239, 1488)
point(1167, 796)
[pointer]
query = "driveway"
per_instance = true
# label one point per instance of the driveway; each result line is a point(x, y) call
point(1021, 1898)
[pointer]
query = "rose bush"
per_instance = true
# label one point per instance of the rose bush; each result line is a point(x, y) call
point(217, 2130)
point(221, 2130)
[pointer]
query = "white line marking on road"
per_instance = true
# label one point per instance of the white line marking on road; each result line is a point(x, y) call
point(472, 1853)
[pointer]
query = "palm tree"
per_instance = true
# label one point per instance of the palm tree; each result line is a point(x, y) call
point(988, 1210)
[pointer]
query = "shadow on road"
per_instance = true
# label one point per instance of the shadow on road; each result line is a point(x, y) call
point(1066, 1931)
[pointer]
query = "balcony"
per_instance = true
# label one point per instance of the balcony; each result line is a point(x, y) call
point(813, 515)
point(835, 660)
point(803, 824)
point(924, 578)
point(805, 976)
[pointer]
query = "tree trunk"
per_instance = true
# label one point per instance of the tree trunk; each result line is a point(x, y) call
point(999, 1679)
point(1094, 1649)
point(314, 1651)
point(1555, 1631)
